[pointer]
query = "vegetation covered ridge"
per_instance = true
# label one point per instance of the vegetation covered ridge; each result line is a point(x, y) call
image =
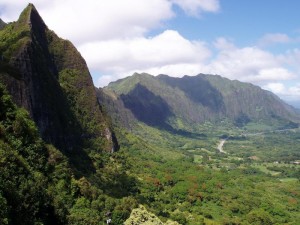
point(187, 103)
point(57, 165)
point(47, 75)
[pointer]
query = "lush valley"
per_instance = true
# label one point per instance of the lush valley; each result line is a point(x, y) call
point(144, 150)
point(183, 174)
point(188, 180)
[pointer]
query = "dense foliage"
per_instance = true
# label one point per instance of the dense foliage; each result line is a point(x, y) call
point(38, 186)
point(197, 183)
point(183, 174)
point(23, 159)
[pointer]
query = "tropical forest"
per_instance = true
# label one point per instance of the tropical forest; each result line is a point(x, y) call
point(149, 150)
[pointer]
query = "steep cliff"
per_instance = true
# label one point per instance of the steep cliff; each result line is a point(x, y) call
point(2, 24)
point(224, 98)
point(41, 183)
point(47, 75)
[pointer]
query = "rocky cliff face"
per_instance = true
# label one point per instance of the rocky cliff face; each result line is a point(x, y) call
point(2, 24)
point(224, 98)
point(47, 76)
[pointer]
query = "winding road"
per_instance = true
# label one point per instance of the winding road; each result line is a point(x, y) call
point(220, 146)
point(222, 141)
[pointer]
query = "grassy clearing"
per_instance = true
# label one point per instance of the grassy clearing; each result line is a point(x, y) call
point(264, 169)
point(198, 158)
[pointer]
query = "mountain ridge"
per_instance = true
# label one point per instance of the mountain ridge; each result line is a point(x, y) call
point(198, 99)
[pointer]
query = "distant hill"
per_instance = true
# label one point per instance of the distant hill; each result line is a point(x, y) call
point(186, 103)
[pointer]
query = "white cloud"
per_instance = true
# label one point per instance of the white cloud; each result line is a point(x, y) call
point(93, 20)
point(102, 20)
point(275, 87)
point(196, 7)
point(164, 52)
point(170, 53)
point(291, 58)
point(289, 93)
point(270, 39)
point(222, 43)
point(249, 64)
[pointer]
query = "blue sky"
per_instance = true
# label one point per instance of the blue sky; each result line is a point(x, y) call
point(244, 21)
point(253, 41)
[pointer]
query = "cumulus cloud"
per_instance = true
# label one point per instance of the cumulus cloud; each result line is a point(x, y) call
point(166, 52)
point(275, 87)
point(170, 53)
point(250, 64)
point(93, 20)
point(276, 73)
point(102, 20)
point(290, 93)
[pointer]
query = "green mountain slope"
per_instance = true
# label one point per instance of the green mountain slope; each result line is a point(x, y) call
point(58, 162)
point(47, 76)
point(187, 103)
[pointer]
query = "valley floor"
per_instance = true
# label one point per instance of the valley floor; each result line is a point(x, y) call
point(240, 179)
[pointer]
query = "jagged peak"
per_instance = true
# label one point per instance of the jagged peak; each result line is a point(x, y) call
point(2, 24)
point(31, 18)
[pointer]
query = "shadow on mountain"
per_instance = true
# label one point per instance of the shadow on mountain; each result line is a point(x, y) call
point(198, 90)
point(147, 107)
point(152, 110)
point(184, 133)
